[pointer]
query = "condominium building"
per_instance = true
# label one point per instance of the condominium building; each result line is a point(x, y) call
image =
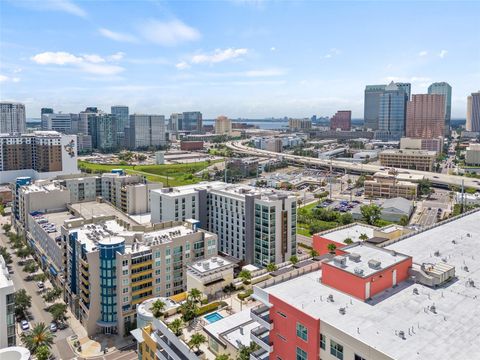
point(408, 159)
point(472, 155)
point(146, 131)
point(385, 185)
point(12, 118)
point(223, 125)
point(121, 114)
point(406, 300)
point(392, 112)
point(372, 105)
point(186, 122)
point(473, 112)
point(42, 154)
point(274, 145)
point(299, 124)
point(426, 116)
point(435, 144)
point(102, 128)
point(341, 120)
point(443, 88)
point(7, 307)
point(256, 226)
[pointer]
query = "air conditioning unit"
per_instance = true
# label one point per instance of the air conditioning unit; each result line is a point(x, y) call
point(374, 264)
point(354, 257)
point(340, 260)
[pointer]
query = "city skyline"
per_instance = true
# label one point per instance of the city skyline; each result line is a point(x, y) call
point(269, 59)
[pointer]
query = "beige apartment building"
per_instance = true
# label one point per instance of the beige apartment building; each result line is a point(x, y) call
point(385, 185)
point(422, 160)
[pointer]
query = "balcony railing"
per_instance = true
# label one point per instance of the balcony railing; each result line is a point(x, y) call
point(261, 315)
point(261, 336)
point(260, 354)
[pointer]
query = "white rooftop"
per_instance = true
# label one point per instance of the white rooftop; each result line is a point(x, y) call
point(452, 332)
point(353, 232)
point(208, 265)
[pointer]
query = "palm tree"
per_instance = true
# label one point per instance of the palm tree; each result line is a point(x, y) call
point(313, 253)
point(348, 241)
point(195, 294)
point(39, 336)
point(331, 248)
point(271, 267)
point(157, 308)
point(363, 237)
point(196, 341)
point(176, 326)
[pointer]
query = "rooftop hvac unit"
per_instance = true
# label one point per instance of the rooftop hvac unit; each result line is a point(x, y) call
point(206, 265)
point(401, 334)
point(355, 257)
point(220, 262)
point(358, 271)
point(340, 260)
point(214, 259)
point(415, 291)
point(374, 264)
point(330, 298)
point(436, 253)
point(342, 310)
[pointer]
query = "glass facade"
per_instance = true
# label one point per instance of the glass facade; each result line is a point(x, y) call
point(391, 122)
point(10, 301)
point(265, 233)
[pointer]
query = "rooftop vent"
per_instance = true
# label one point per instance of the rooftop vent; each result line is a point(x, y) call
point(206, 265)
point(465, 268)
point(433, 309)
point(415, 291)
point(342, 311)
point(354, 257)
point(374, 264)
point(401, 334)
point(436, 253)
point(340, 260)
point(358, 271)
point(330, 298)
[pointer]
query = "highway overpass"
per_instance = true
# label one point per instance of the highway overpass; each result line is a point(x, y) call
point(437, 180)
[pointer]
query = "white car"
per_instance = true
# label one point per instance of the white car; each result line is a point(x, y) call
point(40, 285)
point(25, 325)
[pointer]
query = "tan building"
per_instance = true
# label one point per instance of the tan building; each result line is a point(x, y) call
point(385, 185)
point(408, 159)
point(299, 124)
point(426, 116)
point(274, 145)
point(435, 144)
point(472, 155)
point(223, 125)
point(210, 276)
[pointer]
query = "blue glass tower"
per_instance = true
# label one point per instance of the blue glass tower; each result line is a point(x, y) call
point(391, 119)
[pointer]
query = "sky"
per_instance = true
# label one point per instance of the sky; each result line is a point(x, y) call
point(250, 59)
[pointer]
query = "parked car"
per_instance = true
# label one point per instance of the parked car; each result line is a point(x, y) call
point(40, 285)
point(53, 327)
point(25, 325)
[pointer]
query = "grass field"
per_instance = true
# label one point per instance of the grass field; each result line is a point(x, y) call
point(169, 175)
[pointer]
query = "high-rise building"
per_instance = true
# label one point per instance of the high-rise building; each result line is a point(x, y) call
point(192, 121)
point(299, 124)
point(102, 128)
point(341, 120)
point(223, 125)
point(372, 105)
point(443, 88)
point(426, 116)
point(391, 118)
point(146, 131)
point(252, 225)
point(42, 154)
point(473, 112)
point(63, 123)
point(12, 118)
point(7, 307)
point(44, 111)
point(121, 113)
point(406, 87)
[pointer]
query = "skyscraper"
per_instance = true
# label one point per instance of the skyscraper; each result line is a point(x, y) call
point(63, 123)
point(407, 87)
point(121, 113)
point(223, 125)
point(341, 120)
point(473, 104)
point(146, 131)
point(12, 118)
point(192, 121)
point(372, 105)
point(426, 116)
point(443, 88)
point(391, 117)
point(46, 111)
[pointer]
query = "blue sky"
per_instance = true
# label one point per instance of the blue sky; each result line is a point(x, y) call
point(238, 58)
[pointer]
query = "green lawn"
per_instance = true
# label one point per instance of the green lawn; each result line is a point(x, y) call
point(169, 175)
point(310, 207)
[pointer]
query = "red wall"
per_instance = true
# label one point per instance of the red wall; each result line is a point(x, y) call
point(320, 244)
point(287, 328)
point(355, 285)
point(191, 145)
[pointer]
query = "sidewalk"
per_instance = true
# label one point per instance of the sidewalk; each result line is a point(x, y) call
point(96, 345)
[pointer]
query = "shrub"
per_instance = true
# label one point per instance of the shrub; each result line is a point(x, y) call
point(244, 295)
point(208, 308)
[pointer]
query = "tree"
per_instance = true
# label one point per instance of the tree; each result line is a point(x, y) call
point(313, 253)
point(39, 336)
point(176, 326)
point(425, 187)
point(348, 241)
point(42, 353)
point(363, 237)
point(195, 294)
point(245, 275)
point(157, 308)
point(331, 248)
point(404, 220)
point(58, 312)
point(23, 301)
point(189, 310)
point(346, 218)
point(41, 277)
point(223, 357)
point(196, 341)
point(6, 227)
point(52, 294)
point(6, 255)
point(245, 351)
point(470, 190)
point(370, 213)
point(271, 267)
point(30, 267)
point(24, 252)
point(360, 181)
point(293, 259)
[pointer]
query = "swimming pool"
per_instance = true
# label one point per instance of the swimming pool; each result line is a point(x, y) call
point(211, 318)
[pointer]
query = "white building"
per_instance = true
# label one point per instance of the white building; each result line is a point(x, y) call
point(210, 276)
point(472, 155)
point(63, 123)
point(12, 118)
point(7, 308)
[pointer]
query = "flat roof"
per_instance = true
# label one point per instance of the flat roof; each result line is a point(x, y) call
point(56, 219)
point(450, 333)
point(235, 328)
point(353, 231)
point(409, 152)
point(90, 209)
point(214, 263)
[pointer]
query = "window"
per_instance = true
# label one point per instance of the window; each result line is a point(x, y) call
point(281, 314)
point(322, 341)
point(358, 357)
point(301, 355)
point(336, 350)
point(302, 332)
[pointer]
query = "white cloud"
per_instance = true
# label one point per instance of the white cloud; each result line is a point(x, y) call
point(117, 56)
point(66, 6)
point(331, 53)
point(423, 53)
point(168, 33)
point(182, 65)
point(117, 36)
point(90, 63)
point(443, 53)
point(5, 78)
point(219, 56)
point(273, 48)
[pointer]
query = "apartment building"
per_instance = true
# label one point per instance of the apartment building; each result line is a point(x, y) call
point(12, 117)
point(299, 124)
point(341, 120)
point(223, 125)
point(386, 185)
point(40, 155)
point(435, 144)
point(472, 155)
point(408, 159)
point(7, 307)
point(253, 225)
point(396, 302)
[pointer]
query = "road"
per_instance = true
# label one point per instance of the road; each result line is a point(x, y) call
point(437, 179)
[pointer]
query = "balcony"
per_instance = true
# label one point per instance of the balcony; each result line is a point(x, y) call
point(261, 314)
point(261, 336)
point(259, 355)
